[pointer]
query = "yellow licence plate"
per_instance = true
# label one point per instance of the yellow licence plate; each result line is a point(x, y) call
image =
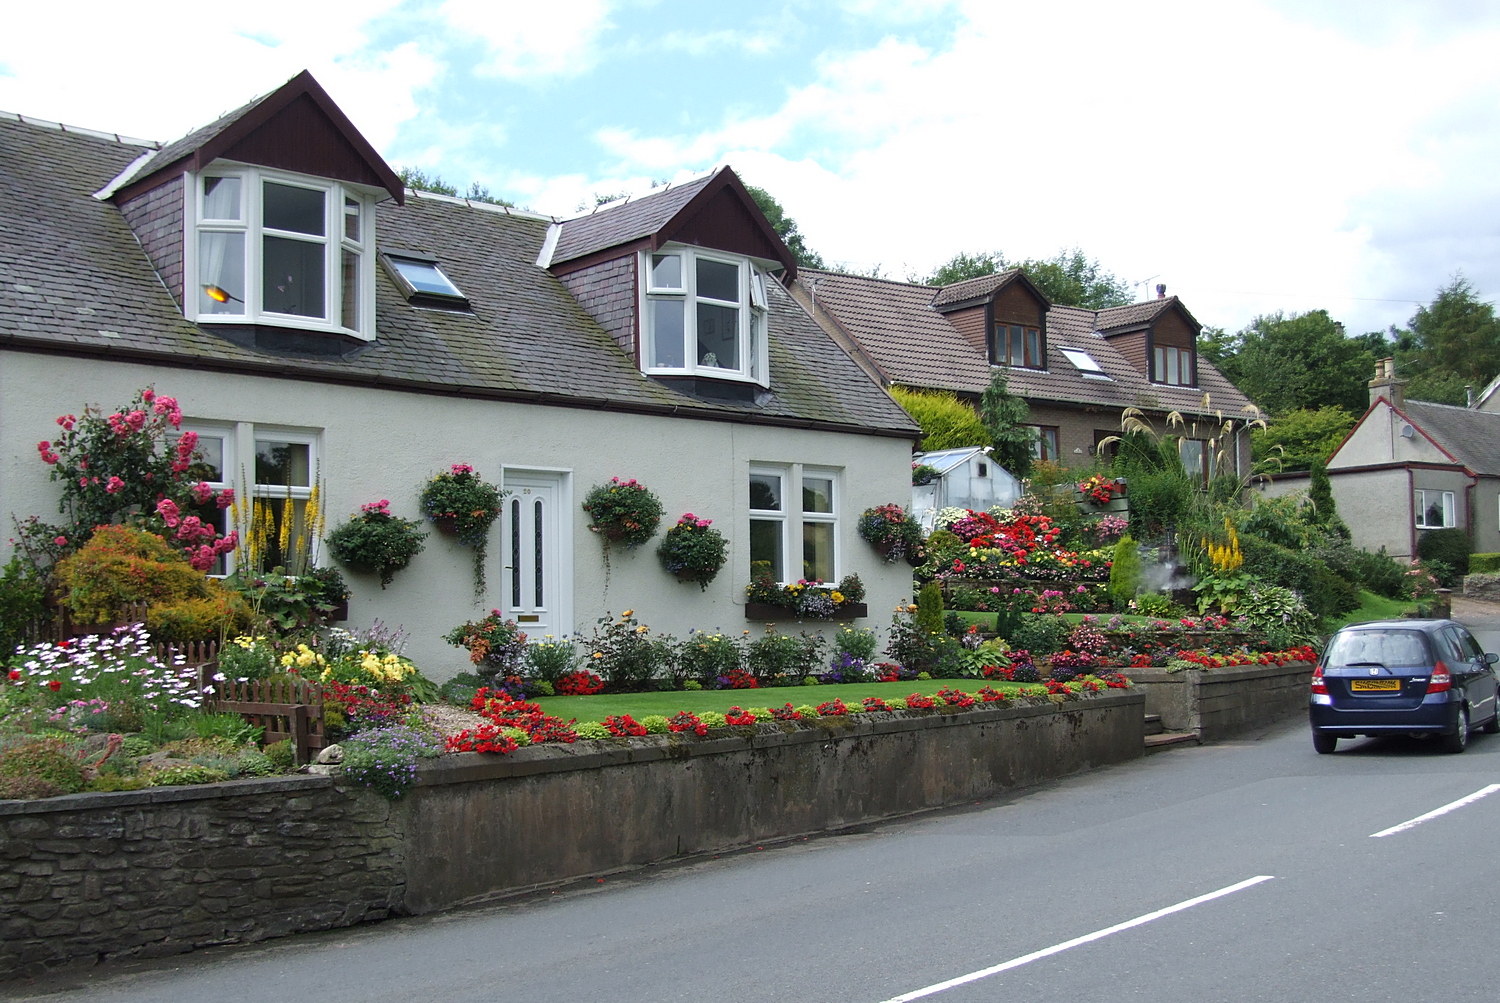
point(1375, 685)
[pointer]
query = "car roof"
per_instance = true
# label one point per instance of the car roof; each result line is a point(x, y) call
point(1403, 624)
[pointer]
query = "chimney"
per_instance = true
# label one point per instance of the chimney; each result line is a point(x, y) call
point(1161, 290)
point(1385, 384)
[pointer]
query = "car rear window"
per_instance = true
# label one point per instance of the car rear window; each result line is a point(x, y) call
point(1390, 648)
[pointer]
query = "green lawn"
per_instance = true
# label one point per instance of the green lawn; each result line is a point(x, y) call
point(638, 705)
point(1373, 607)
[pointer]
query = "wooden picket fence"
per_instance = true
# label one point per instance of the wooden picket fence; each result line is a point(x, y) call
point(291, 712)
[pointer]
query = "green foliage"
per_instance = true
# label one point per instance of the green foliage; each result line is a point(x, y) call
point(1156, 604)
point(1482, 564)
point(230, 728)
point(288, 602)
point(623, 511)
point(655, 724)
point(623, 652)
point(1125, 571)
point(187, 773)
point(1040, 634)
point(1159, 499)
point(705, 657)
point(1068, 278)
point(377, 542)
point(1378, 572)
point(929, 618)
point(1324, 592)
point(693, 550)
point(1005, 416)
point(1449, 546)
point(1454, 340)
point(1320, 495)
point(21, 605)
point(775, 657)
point(459, 498)
point(786, 228)
point(48, 760)
point(1285, 520)
point(1296, 362)
point(1279, 614)
point(591, 731)
point(947, 422)
point(282, 756)
point(856, 642)
point(1302, 435)
point(550, 658)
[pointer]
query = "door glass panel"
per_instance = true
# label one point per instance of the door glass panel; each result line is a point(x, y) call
point(283, 464)
point(221, 266)
point(666, 271)
point(299, 210)
point(667, 333)
point(817, 494)
point(293, 277)
point(718, 281)
point(539, 564)
point(765, 545)
point(515, 552)
point(221, 198)
point(817, 551)
point(765, 492)
point(718, 336)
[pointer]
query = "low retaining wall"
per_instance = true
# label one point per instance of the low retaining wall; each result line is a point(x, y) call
point(1215, 704)
point(147, 873)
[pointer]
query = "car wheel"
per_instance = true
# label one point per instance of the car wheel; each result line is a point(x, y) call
point(1492, 727)
point(1324, 743)
point(1459, 740)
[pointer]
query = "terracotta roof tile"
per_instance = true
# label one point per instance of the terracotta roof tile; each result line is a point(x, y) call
point(974, 288)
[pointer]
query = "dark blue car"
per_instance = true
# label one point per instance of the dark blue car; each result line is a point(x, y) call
point(1404, 677)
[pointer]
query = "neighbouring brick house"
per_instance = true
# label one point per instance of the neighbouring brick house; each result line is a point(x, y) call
point(323, 327)
point(1078, 369)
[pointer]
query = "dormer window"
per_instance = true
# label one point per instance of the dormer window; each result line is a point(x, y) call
point(282, 250)
point(705, 315)
point(1017, 346)
point(1173, 366)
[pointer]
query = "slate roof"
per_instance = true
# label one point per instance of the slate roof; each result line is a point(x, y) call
point(616, 224)
point(73, 278)
point(1471, 437)
point(179, 148)
point(914, 345)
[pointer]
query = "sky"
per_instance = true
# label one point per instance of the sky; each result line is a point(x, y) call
point(1251, 155)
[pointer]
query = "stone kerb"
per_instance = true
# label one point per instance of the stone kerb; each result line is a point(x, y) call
point(160, 871)
point(1219, 703)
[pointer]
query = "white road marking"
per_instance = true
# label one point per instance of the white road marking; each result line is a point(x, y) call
point(1445, 809)
point(1087, 938)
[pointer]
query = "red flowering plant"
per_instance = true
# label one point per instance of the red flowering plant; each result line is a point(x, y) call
point(988, 694)
point(504, 710)
point(917, 701)
point(738, 679)
point(832, 708)
point(131, 465)
point(1100, 490)
point(738, 716)
point(875, 704)
point(581, 683)
point(954, 697)
point(686, 720)
point(485, 738)
point(1056, 687)
point(624, 726)
point(363, 707)
point(787, 713)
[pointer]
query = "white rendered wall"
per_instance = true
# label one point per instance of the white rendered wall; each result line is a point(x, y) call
point(385, 444)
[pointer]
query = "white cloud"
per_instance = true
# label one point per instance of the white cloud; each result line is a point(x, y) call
point(158, 77)
point(1249, 161)
point(527, 41)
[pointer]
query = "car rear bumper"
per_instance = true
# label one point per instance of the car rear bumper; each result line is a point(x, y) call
point(1438, 714)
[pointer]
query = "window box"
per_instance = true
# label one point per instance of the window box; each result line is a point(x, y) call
point(768, 612)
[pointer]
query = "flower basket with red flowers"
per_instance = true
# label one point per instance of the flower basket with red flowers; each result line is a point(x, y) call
point(1100, 490)
point(693, 550)
point(892, 531)
point(459, 501)
point(623, 512)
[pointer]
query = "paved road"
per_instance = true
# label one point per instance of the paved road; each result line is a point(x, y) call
point(869, 916)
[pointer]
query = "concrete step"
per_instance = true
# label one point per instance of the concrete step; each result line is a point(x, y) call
point(1153, 724)
point(1155, 743)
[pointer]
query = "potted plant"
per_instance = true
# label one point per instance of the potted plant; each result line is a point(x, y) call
point(494, 643)
point(623, 512)
point(693, 550)
point(459, 501)
point(893, 533)
point(377, 541)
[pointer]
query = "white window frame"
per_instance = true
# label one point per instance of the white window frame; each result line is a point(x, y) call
point(793, 517)
point(252, 180)
point(753, 363)
point(254, 435)
point(1450, 515)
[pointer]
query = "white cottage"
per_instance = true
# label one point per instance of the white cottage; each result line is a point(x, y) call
point(271, 272)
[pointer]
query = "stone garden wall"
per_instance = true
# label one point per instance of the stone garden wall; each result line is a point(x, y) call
point(90, 877)
point(1223, 702)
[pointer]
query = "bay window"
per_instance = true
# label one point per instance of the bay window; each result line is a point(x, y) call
point(705, 315)
point(780, 531)
point(271, 248)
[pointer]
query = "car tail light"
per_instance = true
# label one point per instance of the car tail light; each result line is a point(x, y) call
point(1318, 685)
point(1440, 679)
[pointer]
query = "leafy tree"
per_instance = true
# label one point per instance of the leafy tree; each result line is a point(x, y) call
point(947, 422)
point(1302, 437)
point(1451, 342)
point(1069, 277)
point(786, 228)
point(1298, 361)
point(419, 180)
point(1320, 493)
point(1004, 416)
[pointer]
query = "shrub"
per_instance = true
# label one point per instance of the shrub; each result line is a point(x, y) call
point(21, 605)
point(1159, 499)
point(1483, 564)
point(693, 550)
point(947, 422)
point(376, 541)
point(591, 730)
point(776, 657)
point(856, 642)
point(550, 659)
point(1157, 605)
point(623, 512)
point(1378, 572)
point(47, 760)
point(1278, 613)
point(1040, 633)
point(1125, 571)
point(1324, 592)
point(1450, 546)
point(929, 618)
point(623, 652)
point(187, 773)
point(705, 657)
point(28, 788)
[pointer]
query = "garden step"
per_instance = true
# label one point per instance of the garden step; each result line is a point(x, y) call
point(1155, 743)
point(1153, 724)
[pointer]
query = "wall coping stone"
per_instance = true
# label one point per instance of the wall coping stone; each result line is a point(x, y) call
point(1227, 673)
point(159, 795)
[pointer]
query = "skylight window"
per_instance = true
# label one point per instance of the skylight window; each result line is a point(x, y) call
point(422, 281)
point(1085, 364)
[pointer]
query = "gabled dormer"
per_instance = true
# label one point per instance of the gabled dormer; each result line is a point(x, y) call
point(1159, 338)
point(1002, 315)
point(681, 278)
point(262, 225)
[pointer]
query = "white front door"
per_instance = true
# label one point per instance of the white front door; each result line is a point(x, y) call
point(536, 583)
